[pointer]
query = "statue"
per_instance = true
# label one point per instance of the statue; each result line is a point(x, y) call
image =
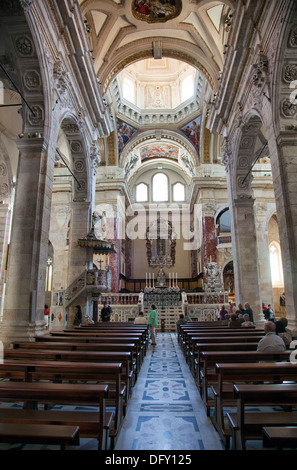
point(99, 225)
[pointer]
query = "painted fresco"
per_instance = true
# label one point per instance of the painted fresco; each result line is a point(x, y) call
point(192, 131)
point(154, 11)
point(125, 133)
point(158, 151)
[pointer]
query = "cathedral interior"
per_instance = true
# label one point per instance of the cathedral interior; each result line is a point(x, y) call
point(147, 156)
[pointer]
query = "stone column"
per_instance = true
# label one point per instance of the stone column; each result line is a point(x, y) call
point(263, 254)
point(245, 256)
point(284, 172)
point(209, 238)
point(25, 290)
point(80, 258)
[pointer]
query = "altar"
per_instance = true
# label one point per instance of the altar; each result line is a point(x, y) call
point(165, 293)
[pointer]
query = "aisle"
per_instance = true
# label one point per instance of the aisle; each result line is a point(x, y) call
point(165, 411)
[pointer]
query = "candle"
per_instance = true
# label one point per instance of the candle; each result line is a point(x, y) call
point(210, 259)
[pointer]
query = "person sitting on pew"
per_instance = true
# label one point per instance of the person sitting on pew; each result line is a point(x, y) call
point(234, 321)
point(271, 341)
point(246, 321)
point(140, 320)
point(226, 321)
point(282, 331)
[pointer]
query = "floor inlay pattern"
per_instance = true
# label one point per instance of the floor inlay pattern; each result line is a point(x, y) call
point(165, 411)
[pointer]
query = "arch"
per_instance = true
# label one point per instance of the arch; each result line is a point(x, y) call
point(171, 48)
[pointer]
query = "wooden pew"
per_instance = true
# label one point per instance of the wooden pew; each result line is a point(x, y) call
point(245, 371)
point(191, 337)
point(106, 373)
point(40, 434)
point(247, 425)
point(81, 346)
point(195, 362)
point(220, 339)
point(64, 394)
point(97, 337)
point(280, 437)
point(79, 356)
point(209, 371)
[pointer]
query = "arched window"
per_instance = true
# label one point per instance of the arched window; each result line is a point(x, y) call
point(128, 90)
point(141, 193)
point(160, 188)
point(224, 222)
point(178, 192)
point(276, 264)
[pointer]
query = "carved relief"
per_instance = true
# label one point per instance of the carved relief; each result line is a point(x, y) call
point(79, 166)
point(24, 45)
point(76, 146)
point(290, 72)
point(31, 80)
point(293, 37)
point(37, 118)
point(288, 109)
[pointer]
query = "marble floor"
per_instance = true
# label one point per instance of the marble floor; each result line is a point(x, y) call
point(165, 411)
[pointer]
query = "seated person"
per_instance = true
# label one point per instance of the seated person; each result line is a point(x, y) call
point(234, 321)
point(271, 341)
point(225, 322)
point(282, 331)
point(181, 320)
point(140, 320)
point(247, 321)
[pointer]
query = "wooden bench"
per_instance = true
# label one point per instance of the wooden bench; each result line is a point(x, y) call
point(280, 437)
point(224, 338)
point(106, 373)
point(247, 425)
point(40, 434)
point(64, 394)
point(81, 346)
point(228, 374)
point(209, 377)
point(79, 356)
point(96, 339)
point(196, 357)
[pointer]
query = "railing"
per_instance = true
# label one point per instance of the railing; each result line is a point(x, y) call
point(91, 280)
point(119, 299)
point(202, 298)
point(221, 239)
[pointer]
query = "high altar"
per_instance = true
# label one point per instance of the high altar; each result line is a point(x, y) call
point(165, 293)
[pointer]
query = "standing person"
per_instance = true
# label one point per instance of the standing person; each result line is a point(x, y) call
point(249, 311)
point(152, 322)
point(78, 316)
point(46, 315)
point(271, 316)
point(106, 312)
point(223, 312)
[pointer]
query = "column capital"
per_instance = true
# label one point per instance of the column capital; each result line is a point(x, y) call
point(244, 201)
point(35, 143)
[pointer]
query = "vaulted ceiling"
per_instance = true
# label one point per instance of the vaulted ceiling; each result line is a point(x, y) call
point(118, 36)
